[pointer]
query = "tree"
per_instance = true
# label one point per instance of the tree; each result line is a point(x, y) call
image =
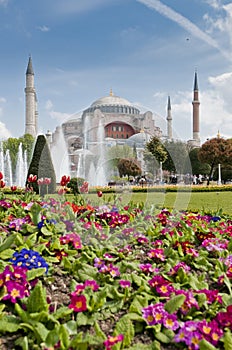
point(177, 152)
point(197, 167)
point(151, 163)
point(215, 151)
point(158, 150)
point(128, 167)
point(41, 165)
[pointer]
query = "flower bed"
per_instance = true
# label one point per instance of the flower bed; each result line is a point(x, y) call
point(74, 276)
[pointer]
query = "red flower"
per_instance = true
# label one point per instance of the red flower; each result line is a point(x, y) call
point(1, 175)
point(78, 303)
point(99, 193)
point(13, 188)
point(32, 178)
point(2, 184)
point(64, 180)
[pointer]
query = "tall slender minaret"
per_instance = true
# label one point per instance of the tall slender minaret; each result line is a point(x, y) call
point(196, 104)
point(169, 120)
point(31, 102)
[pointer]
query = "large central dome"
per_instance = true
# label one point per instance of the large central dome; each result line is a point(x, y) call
point(112, 104)
point(111, 100)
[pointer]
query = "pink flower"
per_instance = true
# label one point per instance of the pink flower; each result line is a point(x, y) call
point(125, 283)
point(47, 181)
point(157, 253)
point(113, 340)
point(84, 188)
point(92, 284)
point(78, 303)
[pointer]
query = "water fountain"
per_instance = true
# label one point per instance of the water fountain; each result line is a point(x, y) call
point(7, 172)
point(100, 178)
point(21, 167)
point(59, 154)
point(17, 177)
point(91, 162)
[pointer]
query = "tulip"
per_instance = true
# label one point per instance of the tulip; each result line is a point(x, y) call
point(32, 178)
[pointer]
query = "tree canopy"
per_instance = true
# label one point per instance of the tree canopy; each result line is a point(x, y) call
point(128, 167)
point(216, 151)
point(157, 149)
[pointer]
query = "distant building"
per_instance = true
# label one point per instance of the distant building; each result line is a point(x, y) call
point(119, 121)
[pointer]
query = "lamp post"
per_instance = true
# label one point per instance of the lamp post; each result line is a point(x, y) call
point(161, 173)
point(219, 175)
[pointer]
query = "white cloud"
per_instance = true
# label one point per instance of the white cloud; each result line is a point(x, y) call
point(184, 23)
point(58, 116)
point(213, 3)
point(43, 28)
point(4, 132)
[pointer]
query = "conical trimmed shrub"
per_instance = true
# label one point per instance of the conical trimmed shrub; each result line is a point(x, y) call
point(41, 165)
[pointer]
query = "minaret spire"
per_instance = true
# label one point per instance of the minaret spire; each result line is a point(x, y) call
point(169, 119)
point(31, 101)
point(196, 104)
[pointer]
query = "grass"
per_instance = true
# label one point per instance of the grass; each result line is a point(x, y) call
point(207, 201)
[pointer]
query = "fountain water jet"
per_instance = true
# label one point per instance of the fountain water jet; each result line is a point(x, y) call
point(21, 167)
point(59, 154)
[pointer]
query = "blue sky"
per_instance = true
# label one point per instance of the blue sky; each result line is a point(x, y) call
point(144, 50)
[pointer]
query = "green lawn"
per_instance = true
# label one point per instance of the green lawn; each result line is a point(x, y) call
point(208, 201)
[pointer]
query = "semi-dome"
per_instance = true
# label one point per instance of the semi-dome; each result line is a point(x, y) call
point(139, 139)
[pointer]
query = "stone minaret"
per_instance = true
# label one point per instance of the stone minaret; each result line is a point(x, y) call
point(196, 104)
point(169, 120)
point(31, 102)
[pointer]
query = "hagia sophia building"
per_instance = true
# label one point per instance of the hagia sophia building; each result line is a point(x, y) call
point(121, 122)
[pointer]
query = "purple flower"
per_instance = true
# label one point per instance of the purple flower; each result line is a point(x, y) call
point(125, 283)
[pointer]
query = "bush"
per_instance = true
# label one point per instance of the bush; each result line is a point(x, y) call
point(41, 165)
point(75, 183)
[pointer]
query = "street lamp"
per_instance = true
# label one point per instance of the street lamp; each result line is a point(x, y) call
point(219, 175)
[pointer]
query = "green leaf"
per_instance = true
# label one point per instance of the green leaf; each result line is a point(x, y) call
point(138, 303)
point(62, 312)
point(227, 340)
point(23, 314)
point(52, 338)
point(174, 303)
point(64, 337)
point(9, 324)
point(40, 331)
point(205, 345)
point(35, 273)
point(37, 300)
point(87, 272)
point(140, 346)
point(6, 254)
point(71, 327)
point(8, 242)
point(23, 343)
point(46, 232)
point(125, 326)
point(163, 338)
point(99, 332)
